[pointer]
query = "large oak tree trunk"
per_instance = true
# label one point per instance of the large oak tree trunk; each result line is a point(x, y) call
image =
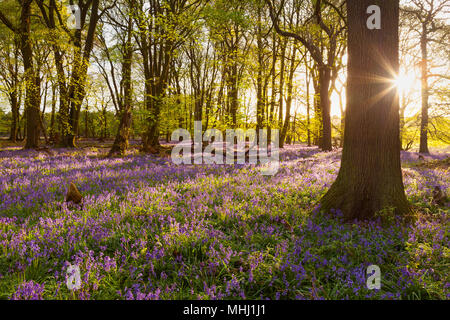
point(370, 177)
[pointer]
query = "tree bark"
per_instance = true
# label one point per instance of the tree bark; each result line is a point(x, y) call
point(283, 44)
point(259, 79)
point(15, 115)
point(121, 141)
point(290, 88)
point(233, 89)
point(423, 148)
point(402, 120)
point(370, 177)
point(14, 94)
point(308, 106)
point(77, 90)
point(271, 107)
point(317, 120)
point(32, 96)
point(324, 84)
point(53, 113)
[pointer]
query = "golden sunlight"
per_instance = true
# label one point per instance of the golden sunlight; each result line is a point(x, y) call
point(406, 82)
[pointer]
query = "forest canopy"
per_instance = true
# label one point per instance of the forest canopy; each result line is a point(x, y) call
point(145, 68)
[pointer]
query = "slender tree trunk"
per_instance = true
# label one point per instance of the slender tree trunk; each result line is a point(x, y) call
point(281, 87)
point(259, 79)
point(273, 94)
point(233, 90)
point(220, 95)
point(14, 99)
point(42, 114)
point(77, 91)
point(157, 63)
point(423, 148)
point(370, 177)
point(324, 83)
point(53, 114)
point(105, 123)
point(317, 121)
point(402, 120)
point(196, 86)
point(151, 136)
point(43, 128)
point(32, 98)
point(63, 113)
point(76, 96)
point(291, 136)
point(86, 119)
point(290, 88)
point(308, 107)
point(15, 115)
point(121, 142)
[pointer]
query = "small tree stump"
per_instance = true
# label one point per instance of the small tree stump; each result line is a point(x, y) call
point(439, 198)
point(73, 195)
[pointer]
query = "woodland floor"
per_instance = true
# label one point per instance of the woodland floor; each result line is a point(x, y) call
point(149, 229)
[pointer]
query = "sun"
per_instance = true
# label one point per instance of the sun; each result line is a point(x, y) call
point(405, 82)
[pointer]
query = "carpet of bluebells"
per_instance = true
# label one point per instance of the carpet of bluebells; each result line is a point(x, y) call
point(149, 229)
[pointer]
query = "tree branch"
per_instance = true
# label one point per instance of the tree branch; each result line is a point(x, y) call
point(315, 52)
point(8, 23)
